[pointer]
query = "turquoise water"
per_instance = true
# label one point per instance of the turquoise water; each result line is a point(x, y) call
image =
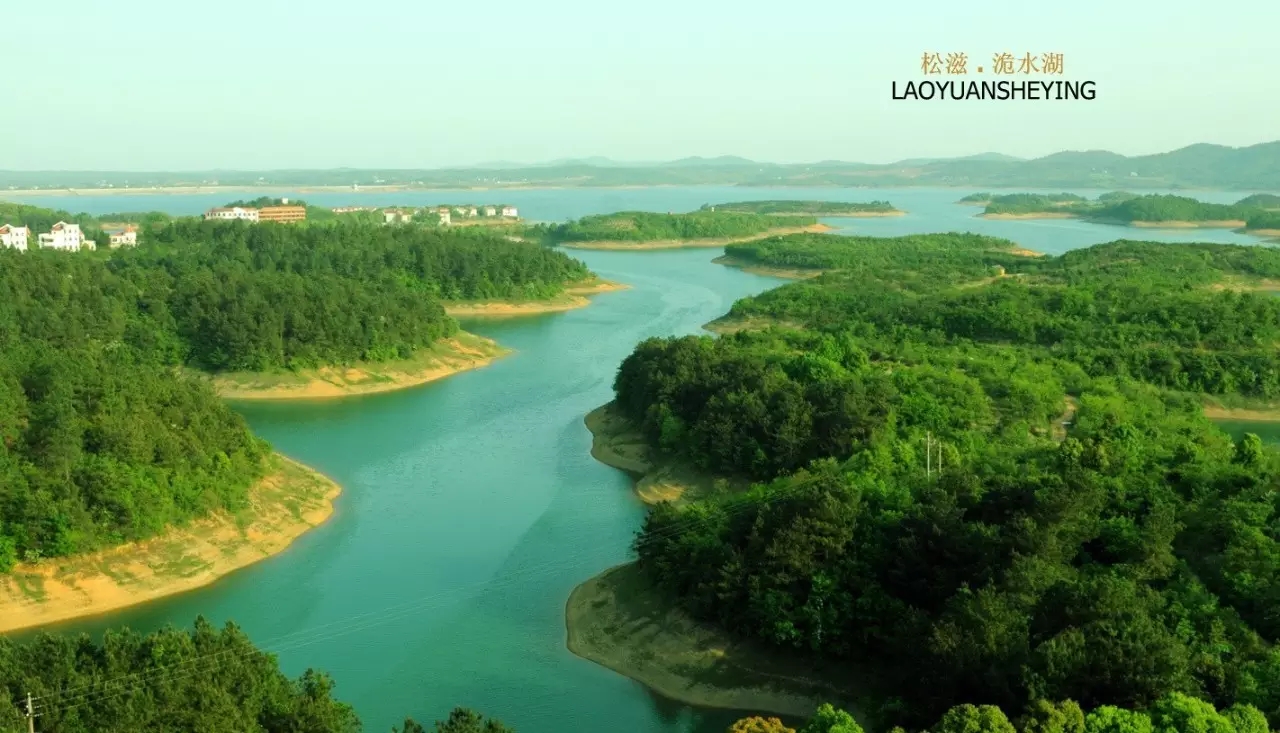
point(472, 506)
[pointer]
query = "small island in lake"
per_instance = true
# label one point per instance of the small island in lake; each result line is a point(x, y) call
point(1119, 207)
point(643, 230)
point(831, 209)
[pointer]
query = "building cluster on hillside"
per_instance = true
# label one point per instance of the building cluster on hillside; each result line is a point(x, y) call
point(283, 213)
point(66, 236)
point(446, 215)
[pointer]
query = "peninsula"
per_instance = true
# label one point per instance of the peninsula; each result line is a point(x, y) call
point(286, 502)
point(832, 209)
point(923, 425)
point(641, 230)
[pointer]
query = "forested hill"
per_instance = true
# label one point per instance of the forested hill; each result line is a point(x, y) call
point(105, 441)
point(1255, 167)
point(1078, 530)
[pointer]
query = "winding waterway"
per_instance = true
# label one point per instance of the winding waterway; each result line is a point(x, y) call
point(472, 506)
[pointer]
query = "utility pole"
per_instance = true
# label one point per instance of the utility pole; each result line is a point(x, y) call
point(31, 716)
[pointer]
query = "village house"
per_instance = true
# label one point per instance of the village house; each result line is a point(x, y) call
point(391, 216)
point(509, 211)
point(471, 212)
point(445, 217)
point(121, 235)
point(14, 237)
point(490, 211)
point(231, 212)
point(67, 237)
point(282, 214)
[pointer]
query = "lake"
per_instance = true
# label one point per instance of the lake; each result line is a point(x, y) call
point(472, 506)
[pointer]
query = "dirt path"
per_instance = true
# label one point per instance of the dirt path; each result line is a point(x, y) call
point(1063, 421)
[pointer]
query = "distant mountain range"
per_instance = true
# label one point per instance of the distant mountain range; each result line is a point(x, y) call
point(1252, 168)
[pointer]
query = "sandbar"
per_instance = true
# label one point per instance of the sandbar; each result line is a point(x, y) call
point(284, 504)
point(450, 356)
point(690, 243)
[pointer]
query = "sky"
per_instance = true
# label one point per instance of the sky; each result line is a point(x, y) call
point(269, 84)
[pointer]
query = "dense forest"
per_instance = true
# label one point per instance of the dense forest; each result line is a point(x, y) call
point(985, 478)
point(642, 226)
point(804, 208)
point(206, 679)
point(1264, 220)
point(1019, 203)
point(106, 440)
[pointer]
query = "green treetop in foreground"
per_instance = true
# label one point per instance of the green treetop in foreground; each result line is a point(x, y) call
point(206, 679)
point(642, 226)
point(106, 440)
point(806, 208)
point(1175, 713)
point(1079, 531)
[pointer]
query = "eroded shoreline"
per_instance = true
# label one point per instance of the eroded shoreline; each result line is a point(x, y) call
point(290, 500)
point(573, 297)
point(462, 352)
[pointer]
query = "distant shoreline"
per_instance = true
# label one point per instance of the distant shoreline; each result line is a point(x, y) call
point(692, 243)
point(462, 352)
point(289, 501)
point(1033, 215)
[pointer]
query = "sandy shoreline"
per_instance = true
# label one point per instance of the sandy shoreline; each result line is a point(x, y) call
point(690, 243)
point(838, 215)
point(286, 503)
point(573, 297)
point(460, 353)
point(620, 621)
point(1263, 232)
point(616, 442)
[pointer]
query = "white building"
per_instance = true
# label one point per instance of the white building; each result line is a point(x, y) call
point(390, 216)
point(509, 211)
point(67, 237)
point(490, 211)
point(14, 237)
point(232, 212)
point(124, 235)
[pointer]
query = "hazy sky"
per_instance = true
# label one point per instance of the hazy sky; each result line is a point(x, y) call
point(249, 84)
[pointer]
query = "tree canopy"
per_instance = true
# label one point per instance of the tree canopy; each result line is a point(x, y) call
point(105, 437)
point(986, 486)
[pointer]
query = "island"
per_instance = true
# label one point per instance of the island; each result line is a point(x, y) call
point(800, 256)
point(1167, 211)
point(831, 209)
point(960, 473)
point(642, 230)
point(1268, 201)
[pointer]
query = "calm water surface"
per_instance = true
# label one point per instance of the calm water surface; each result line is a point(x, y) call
point(472, 506)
